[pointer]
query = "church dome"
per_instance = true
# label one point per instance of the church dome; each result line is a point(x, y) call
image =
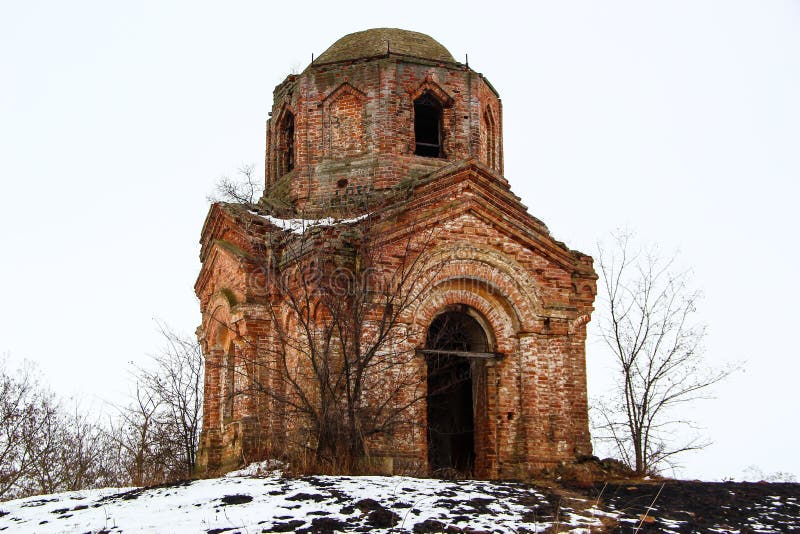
point(377, 41)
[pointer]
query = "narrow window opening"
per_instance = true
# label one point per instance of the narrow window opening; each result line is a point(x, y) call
point(490, 139)
point(289, 132)
point(428, 126)
point(286, 144)
point(228, 393)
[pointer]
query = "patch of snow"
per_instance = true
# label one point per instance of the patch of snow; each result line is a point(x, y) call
point(299, 226)
point(259, 469)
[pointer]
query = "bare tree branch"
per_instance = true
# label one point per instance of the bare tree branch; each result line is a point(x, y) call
point(245, 188)
point(648, 324)
point(338, 332)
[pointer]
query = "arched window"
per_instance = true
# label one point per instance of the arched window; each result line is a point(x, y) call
point(490, 139)
point(456, 330)
point(286, 144)
point(428, 126)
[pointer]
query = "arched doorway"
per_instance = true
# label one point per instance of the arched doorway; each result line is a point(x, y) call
point(455, 350)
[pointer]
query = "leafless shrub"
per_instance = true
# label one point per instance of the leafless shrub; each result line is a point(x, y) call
point(245, 188)
point(137, 437)
point(73, 453)
point(46, 448)
point(176, 380)
point(27, 411)
point(755, 474)
point(156, 434)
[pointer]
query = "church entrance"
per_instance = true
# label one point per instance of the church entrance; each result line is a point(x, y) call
point(455, 350)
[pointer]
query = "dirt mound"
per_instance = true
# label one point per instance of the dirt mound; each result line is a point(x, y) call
point(587, 471)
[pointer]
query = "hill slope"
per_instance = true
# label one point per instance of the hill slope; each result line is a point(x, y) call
point(402, 504)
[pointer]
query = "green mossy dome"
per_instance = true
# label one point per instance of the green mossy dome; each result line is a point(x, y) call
point(377, 41)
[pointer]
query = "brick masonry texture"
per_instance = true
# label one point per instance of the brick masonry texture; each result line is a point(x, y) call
point(345, 126)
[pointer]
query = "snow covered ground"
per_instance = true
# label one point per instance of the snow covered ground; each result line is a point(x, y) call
point(245, 502)
point(310, 504)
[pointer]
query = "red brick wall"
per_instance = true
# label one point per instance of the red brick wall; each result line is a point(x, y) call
point(531, 410)
point(354, 122)
point(354, 136)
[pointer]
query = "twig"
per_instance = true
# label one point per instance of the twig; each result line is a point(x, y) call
point(557, 522)
point(649, 508)
point(599, 495)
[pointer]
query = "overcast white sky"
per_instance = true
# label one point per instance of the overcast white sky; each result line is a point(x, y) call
point(678, 119)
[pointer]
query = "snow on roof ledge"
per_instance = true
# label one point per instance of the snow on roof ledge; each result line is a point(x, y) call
point(299, 226)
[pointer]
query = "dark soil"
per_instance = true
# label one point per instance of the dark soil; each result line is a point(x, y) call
point(382, 518)
point(429, 525)
point(236, 499)
point(289, 526)
point(703, 506)
point(367, 505)
point(135, 493)
point(34, 503)
point(316, 497)
point(324, 525)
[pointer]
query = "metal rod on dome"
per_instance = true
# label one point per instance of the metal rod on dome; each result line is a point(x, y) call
point(466, 57)
point(312, 57)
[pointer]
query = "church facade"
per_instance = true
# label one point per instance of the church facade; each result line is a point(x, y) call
point(385, 156)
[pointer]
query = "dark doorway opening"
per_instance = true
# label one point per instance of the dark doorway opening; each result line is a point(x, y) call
point(428, 126)
point(452, 389)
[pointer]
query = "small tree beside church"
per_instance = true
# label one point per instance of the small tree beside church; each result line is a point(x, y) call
point(649, 324)
point(335, 303)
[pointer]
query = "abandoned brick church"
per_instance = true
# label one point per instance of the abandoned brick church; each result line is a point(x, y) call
point(464, 349)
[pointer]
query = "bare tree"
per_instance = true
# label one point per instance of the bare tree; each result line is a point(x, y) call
point(49, 467)
point(87, 452)
point(176, 381)
point(26, 411)
point(155, 436)
point(337, 294)
point(648, 322)
point(246, 188)
point(46, 448)
point(72, 454)
point(137, 438)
